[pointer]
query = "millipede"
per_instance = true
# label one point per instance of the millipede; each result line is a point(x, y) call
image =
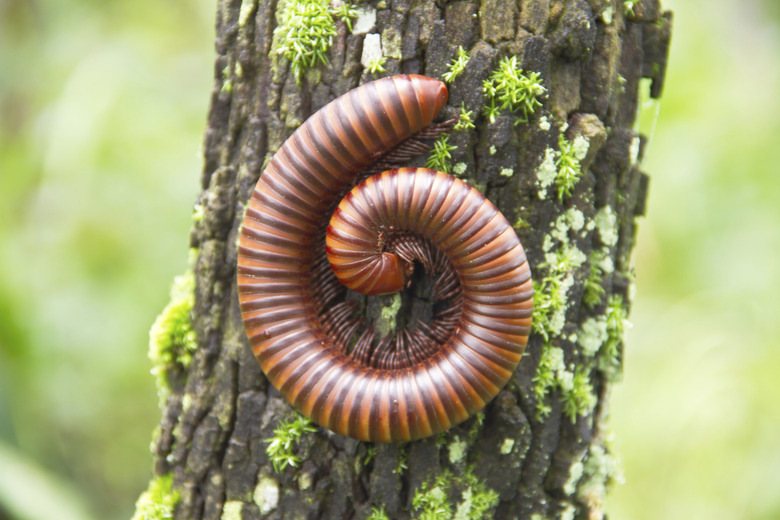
point(332, 213)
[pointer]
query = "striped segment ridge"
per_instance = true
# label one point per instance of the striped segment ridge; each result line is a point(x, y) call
point(479, 358)
point(288, 210)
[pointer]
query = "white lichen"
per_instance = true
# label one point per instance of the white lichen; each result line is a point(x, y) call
point(593, 335)
point(366, 19)
point(547, 172)
point(575, 473)
point(606, 224)
point(507, 445)
point(372, 50)
point(266, 495)
point(457, 450)
point(633, 151)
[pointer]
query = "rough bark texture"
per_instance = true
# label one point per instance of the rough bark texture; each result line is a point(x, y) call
point(220, 410)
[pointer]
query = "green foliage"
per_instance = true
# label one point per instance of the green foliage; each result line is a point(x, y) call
point(378, 513)
point(281, 445)
point(376, 65)
point(576, 391)
point(628, 8)
point(594, 288)
point(456, 66)
point(158, 501)
point(568, 164)
point(465, 119)
point(434, 501)
point(509, 88)
point(550, 293)
point(440, 155)
point(403, 457)
point(617, 321)
point(171, 338)
point(370, 454)
point(577, 397)
point(347, 12)
point(305, 34)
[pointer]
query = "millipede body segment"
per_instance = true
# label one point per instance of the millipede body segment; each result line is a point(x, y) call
point(301, 241)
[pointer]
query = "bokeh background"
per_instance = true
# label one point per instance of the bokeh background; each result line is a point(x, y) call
point(102, 110)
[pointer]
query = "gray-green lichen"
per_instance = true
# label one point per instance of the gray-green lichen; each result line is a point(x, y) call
point(457, 449)
point(248, 8)
point(232, 510)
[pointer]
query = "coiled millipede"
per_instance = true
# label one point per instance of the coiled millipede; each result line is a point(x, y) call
point(303, 328)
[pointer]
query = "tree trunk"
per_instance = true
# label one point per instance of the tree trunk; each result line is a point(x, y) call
point(566, 173)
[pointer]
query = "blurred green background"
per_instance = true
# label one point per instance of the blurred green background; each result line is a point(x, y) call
point(102, 110)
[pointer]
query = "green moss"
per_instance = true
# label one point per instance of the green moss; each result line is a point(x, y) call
point(281, 445)
point(465, 119)
point(456, 66)
point(387, 316)
point(440, 155)
point(159, 500)
point(434, 501)
point(346, 12)
point(577, 396)
point(576, 391)
point(520, 223)
point(171, 338)
point(616, 319)
point(510, 88)
point(232, 510)
point(562, 167)
point(568, 164)
point(403, 456)
point(551, 291)
point(594, 284)
point(370, 454)
point(305, 34)
point(378, 513)
point(506, 172)
point(376, 65)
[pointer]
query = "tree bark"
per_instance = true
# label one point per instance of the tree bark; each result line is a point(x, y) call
point(527, 448)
